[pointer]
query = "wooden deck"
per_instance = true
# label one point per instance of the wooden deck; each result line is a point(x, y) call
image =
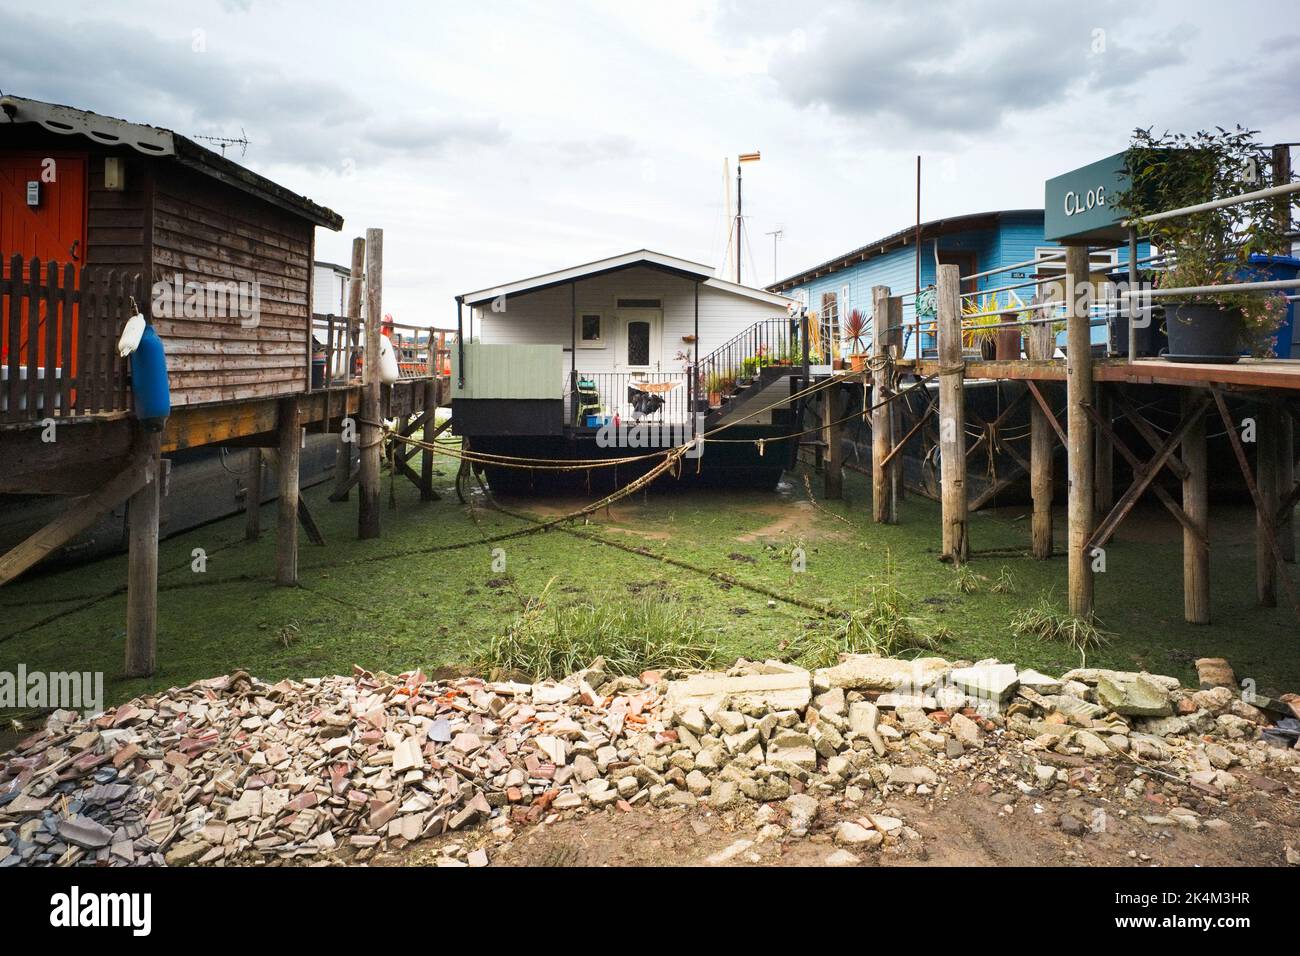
point(1248, 373)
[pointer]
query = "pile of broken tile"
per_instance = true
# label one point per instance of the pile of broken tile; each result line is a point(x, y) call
point(234, 770)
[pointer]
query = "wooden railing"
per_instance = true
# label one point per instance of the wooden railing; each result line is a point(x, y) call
point(59, 328)
point(340, 341)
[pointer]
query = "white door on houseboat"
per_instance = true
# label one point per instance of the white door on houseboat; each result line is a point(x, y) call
point(640, 340)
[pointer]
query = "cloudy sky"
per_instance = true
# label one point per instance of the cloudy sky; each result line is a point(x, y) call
point(495, 140)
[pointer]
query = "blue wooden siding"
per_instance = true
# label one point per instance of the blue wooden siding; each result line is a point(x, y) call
point(1015, 239)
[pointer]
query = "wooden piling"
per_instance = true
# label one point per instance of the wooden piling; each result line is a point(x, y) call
point(833, 473)
point(882, 500)
point(1196, 505)
point(1104, 454)
point(344, 450)
point(1286, 483)
point(1042, 439)
point(286, 522)
point(426, 462)
point(142, 570)
point(952, 418)
point(894, 340)
point(1267, 426)
point(1079, 392)
point(253, 496)
point(368, 430)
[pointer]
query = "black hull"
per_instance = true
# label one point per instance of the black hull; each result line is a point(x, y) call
point(730, 464)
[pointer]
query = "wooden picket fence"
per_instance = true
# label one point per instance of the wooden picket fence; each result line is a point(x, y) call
point(59, 328)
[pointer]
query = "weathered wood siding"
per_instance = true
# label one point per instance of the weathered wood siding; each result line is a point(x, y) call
point(206, 232)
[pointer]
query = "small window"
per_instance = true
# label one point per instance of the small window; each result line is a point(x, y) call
point(591, 330)
point(640, 304)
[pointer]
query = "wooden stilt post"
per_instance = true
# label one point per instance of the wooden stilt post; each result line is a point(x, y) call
point(1039, 346)
point(426, 464)
point(286, 522)
point(253, 496)
point(1286, 482)
point(1266, 478)
point(142, 570)
point(952, 418)
point(368, 432)
point(1196, 505)
point(895, 339)
point(344, 451)
point(833, 476)
point(1104, 453)
point(1078, 393)
point(882, 500)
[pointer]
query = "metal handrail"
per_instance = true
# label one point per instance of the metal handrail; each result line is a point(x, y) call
point(1258, 194)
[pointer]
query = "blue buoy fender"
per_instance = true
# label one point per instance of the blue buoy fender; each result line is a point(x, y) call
point(153, 400)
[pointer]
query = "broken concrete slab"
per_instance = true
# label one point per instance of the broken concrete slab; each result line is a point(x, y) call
point(868, 672)
point(782, 690)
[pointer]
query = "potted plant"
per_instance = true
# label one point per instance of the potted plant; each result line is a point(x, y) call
point(855, 333)
point(1215, 247)
point(985, 330)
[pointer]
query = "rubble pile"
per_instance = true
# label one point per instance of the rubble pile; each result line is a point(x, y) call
point(234, 770)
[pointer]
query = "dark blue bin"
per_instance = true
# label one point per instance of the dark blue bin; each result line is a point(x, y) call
point(1271, 268)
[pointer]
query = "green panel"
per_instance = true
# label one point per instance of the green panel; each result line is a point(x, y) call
point(509, 371)
point(1079, 204)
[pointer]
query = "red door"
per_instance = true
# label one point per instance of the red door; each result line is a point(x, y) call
point(54, 229)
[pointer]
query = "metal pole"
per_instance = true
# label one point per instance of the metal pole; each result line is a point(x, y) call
point(917, 240)
point(460, 344)
point(1132, 284)
point(738, 221)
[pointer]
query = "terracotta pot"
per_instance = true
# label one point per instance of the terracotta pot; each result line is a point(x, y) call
point(858, 361)
point(1007, 345)
point(715, 399)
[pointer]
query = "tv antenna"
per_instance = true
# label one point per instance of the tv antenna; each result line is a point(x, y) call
point(226, 142)
point(777, 234)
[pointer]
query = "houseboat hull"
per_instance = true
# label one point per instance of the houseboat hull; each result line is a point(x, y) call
point(740, 462)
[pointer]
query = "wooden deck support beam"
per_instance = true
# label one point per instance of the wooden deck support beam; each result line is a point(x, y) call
point(1266, 527)
point(142, 569)
point(1196, 505)
point(253, 496)
point(1267, 552)
point(1041, 423)
point(426, 462)
point(952, 419)
point(286, 524)
point(1104, 490)
point(1286, 484)
point(1080, 466)
point(368, 430)
point(883, 504)
point(833, 470)
point(79, 516)
point(343, 476)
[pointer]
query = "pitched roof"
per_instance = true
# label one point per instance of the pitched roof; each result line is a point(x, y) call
point(159, 142)
point(903, 237)
point(628, 260)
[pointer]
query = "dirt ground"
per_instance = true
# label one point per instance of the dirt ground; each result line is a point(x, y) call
point(964, 823)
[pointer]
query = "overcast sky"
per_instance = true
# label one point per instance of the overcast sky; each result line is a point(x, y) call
point(497, 140)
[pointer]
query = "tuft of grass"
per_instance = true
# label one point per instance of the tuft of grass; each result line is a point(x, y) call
point(1005, 584)
point(968, 582)
point(1045, 620)
point(632, 635)
point(882, 624)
